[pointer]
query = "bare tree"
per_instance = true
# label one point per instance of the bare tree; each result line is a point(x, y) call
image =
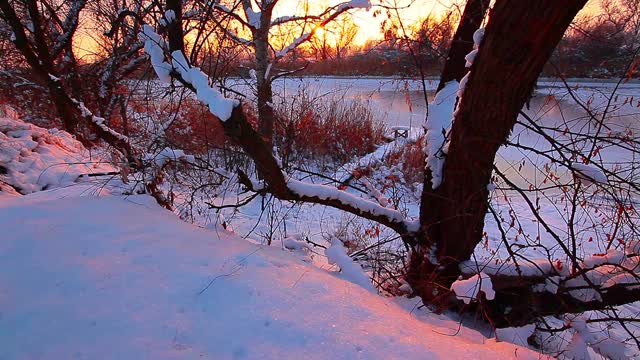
point(454, 201)
point(334, 39)
point(258, 19)
point(484, 85)
point(43, 33)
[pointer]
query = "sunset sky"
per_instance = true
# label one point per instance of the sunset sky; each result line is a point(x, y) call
point(369, 25)
point(411, 11)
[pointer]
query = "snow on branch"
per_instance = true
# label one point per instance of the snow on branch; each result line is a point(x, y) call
point(596, 278)
point(253, 17)
point(155, 46)
point(294, 44)
point(589, 174)
point(168, 154)
point(169, 17)
point(323, 192)
point(336, 9)
point(99, 121)
point(218, 105)
point(442, 112)
point(69, 27)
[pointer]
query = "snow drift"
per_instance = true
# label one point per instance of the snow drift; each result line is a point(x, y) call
point(33, 158)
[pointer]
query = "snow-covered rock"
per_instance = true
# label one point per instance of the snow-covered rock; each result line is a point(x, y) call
point(469, 289)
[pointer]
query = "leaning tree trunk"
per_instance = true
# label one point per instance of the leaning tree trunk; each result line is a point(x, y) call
point(519, 39)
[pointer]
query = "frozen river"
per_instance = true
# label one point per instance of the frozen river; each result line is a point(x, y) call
point(401, 102)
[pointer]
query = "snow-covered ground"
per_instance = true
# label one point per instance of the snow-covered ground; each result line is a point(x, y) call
point(117, 277)
point(34, 159)
point(79, 274)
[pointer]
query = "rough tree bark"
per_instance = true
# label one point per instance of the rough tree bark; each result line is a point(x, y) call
point(462, 43)
point(519, 39)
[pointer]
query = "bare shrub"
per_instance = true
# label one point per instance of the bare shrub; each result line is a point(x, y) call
point(410, 159)
point(327, 131)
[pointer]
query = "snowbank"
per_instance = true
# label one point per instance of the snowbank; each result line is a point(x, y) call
point(34, 159)
point(113, 278)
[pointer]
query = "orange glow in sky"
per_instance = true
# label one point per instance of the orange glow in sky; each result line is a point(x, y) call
point(368, 24)
point(410, 11)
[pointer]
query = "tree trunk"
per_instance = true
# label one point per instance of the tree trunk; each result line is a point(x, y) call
point(519, 39)
point(462, 43)
point(38, 58)
point(266, 116)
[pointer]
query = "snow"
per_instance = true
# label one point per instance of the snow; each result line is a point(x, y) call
point(283, 19)
point(267, 73)
point(516, 335)
point(371, 159)
point(296, 246)
point(589, 174)
point(253, 17)
point(469, 289)
point(354, 4)
point(551, 284)
point(168, 154)
point(478, 35)
point(438, 124)
point(294, 44)
point(535, 267)
point(350, 271)
point(496, 262)
point(153, 45)
point(470, 57)
point(218, 105)
point(98, 121)
point(33, 158)
point(632, 247)
point(585, 340)
point(121, 278)
point(170, 16)
point(327, 192)
point(610, 257)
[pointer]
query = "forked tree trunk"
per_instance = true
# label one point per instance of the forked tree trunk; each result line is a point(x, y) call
point(519, 39)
